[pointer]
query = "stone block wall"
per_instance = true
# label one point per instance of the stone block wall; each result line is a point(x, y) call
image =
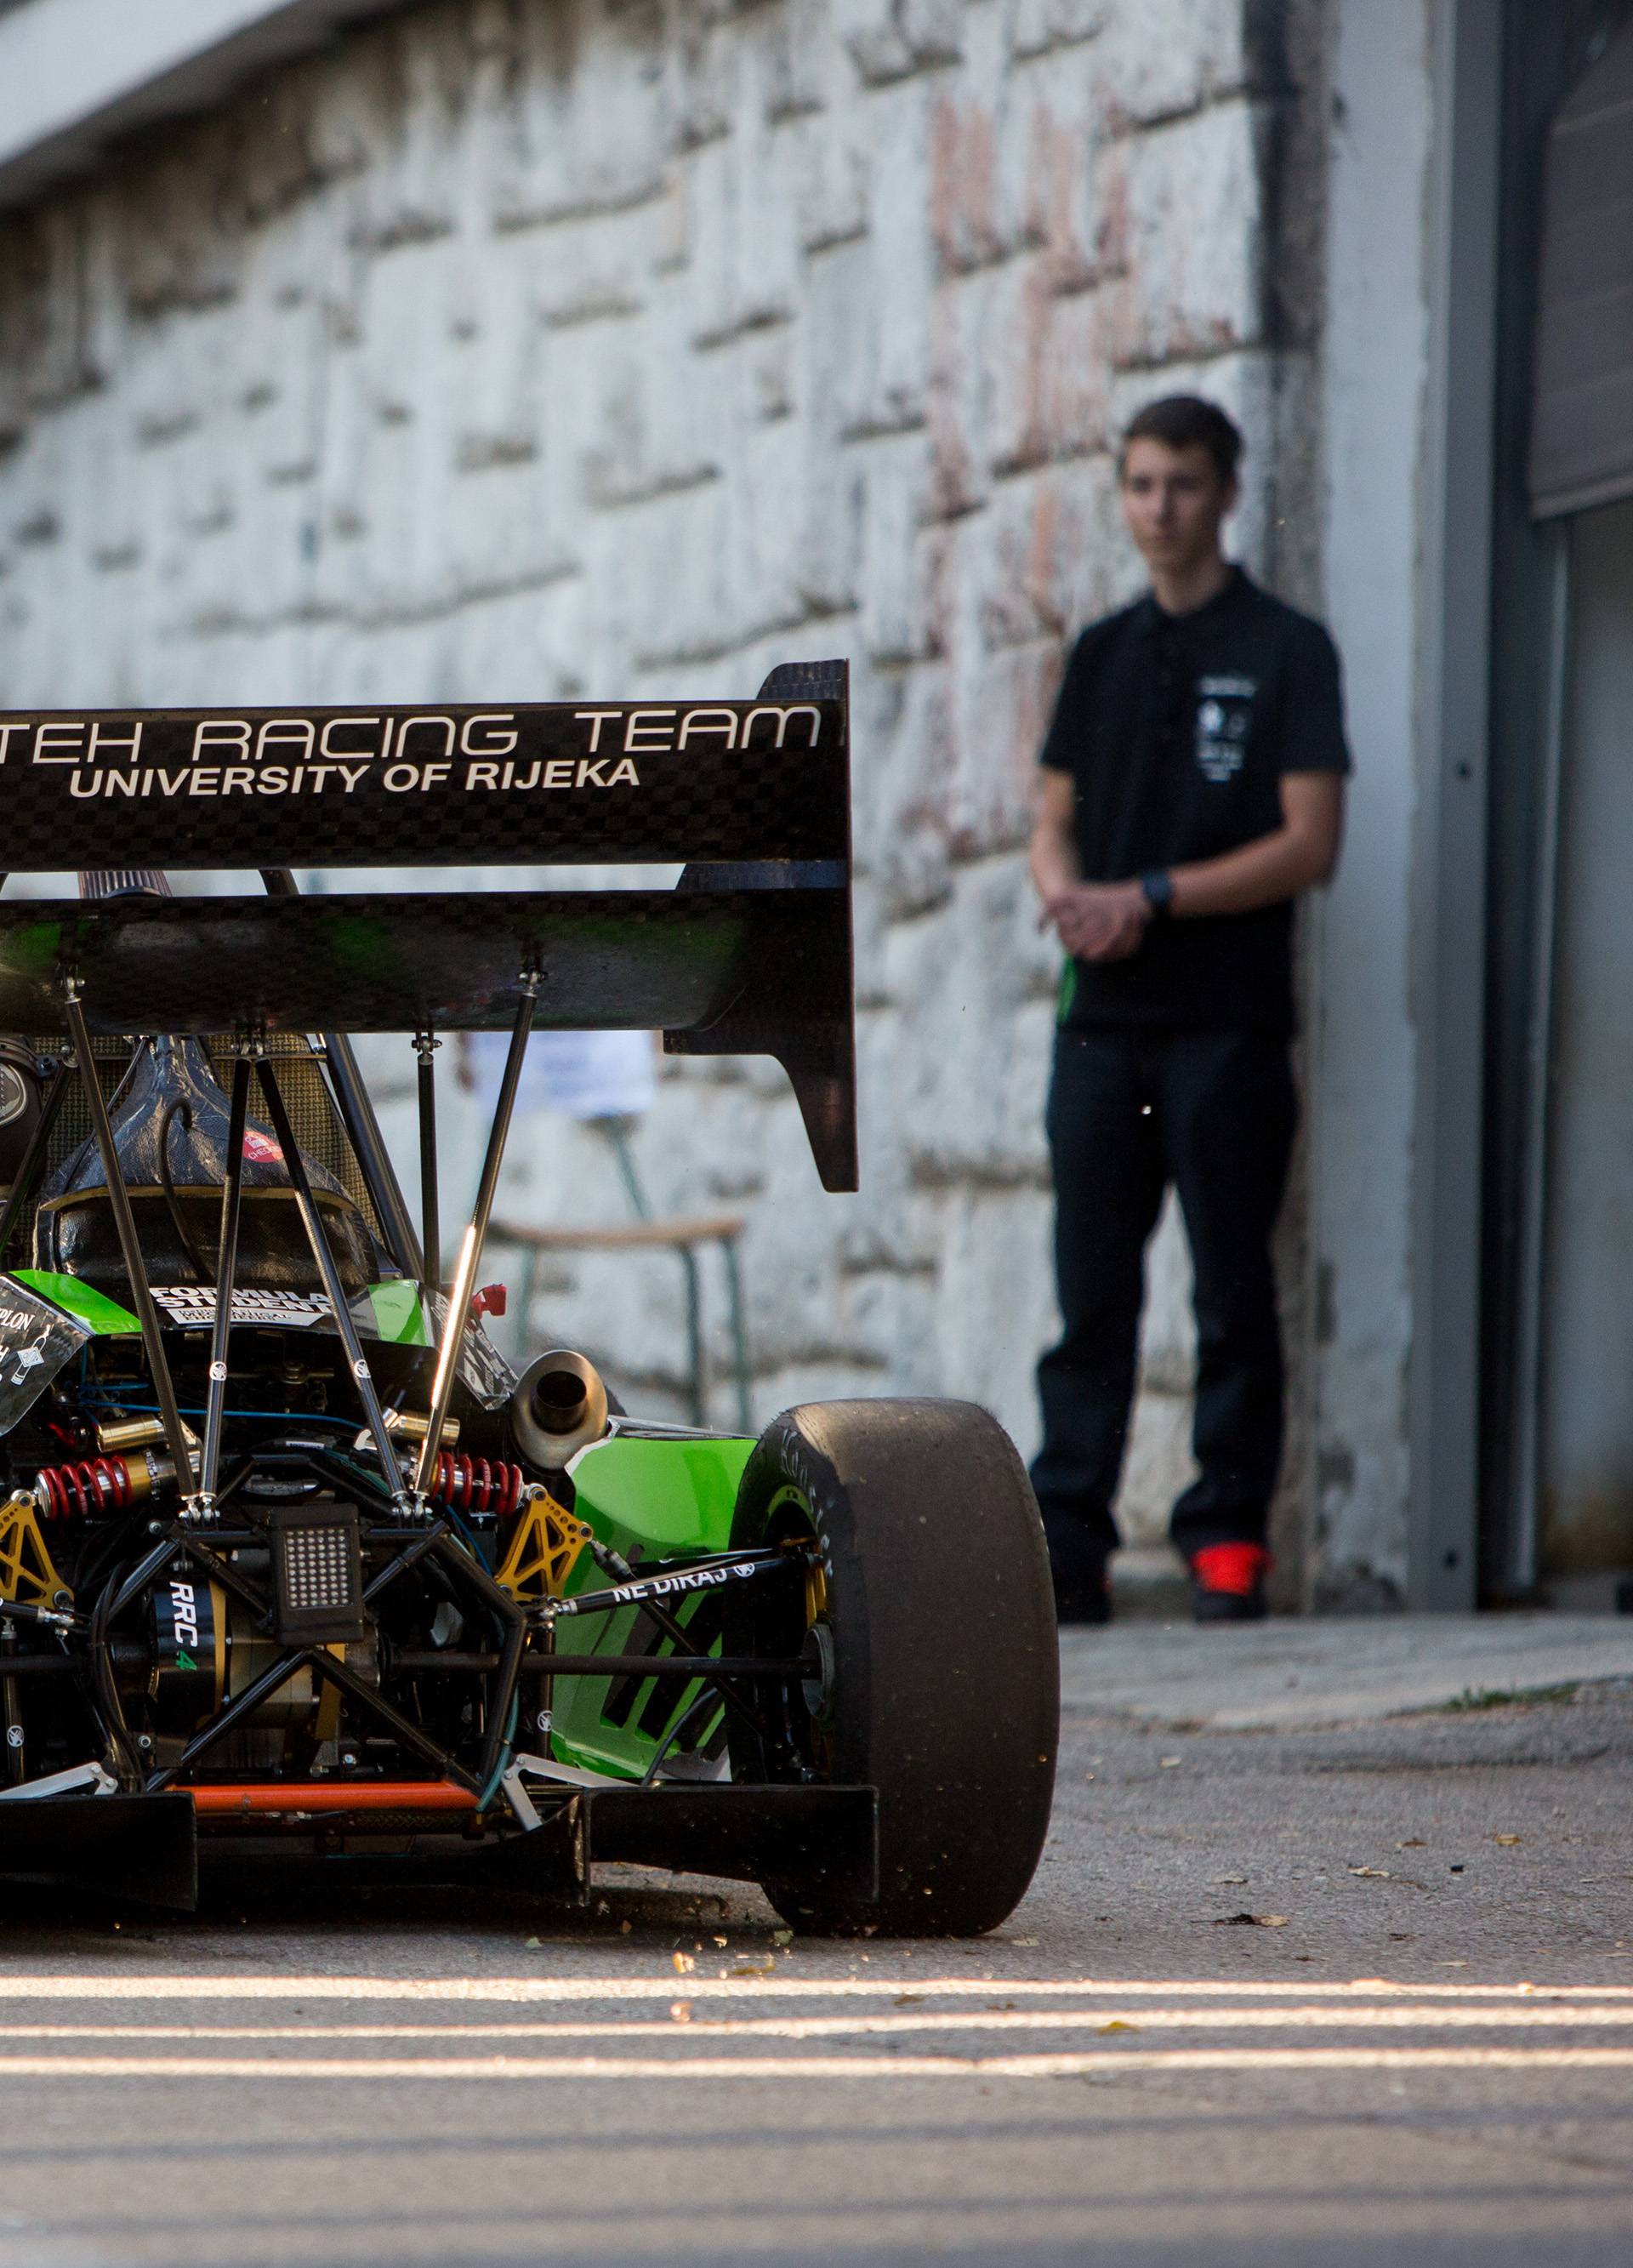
point(532, 349)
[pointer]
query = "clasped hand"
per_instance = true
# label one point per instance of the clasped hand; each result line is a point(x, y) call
point(1098, 921)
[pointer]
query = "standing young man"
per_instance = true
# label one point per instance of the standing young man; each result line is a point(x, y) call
point(1191, 786)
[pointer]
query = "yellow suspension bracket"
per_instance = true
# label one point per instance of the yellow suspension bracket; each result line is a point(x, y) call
point(27, 1575)
point(544, 1549)
point(816, 1592)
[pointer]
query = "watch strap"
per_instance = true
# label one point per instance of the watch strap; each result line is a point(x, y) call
point(1157, 884)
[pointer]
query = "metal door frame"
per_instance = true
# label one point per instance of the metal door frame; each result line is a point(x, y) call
point(1448, 954)
point(1517, 1566)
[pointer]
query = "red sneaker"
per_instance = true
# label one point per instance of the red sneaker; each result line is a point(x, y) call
point(1227, 1582)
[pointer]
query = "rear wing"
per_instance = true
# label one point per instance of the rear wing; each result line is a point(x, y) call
point(749, 955)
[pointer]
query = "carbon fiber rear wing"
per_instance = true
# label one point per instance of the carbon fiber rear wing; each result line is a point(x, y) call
point(750, 955)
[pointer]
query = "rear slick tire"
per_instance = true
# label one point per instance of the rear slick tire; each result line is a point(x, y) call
point(929, 1636)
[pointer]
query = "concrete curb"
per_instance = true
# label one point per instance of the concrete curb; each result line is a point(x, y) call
point(1281, 1675)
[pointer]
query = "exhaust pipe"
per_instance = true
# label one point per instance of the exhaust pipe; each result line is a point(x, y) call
point(559, 1407)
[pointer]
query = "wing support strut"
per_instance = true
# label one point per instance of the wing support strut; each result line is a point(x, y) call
point(425, 1047)
point(317, 1236)
point(130, 1242)
point(363, 1127)
point(458, 1311)
point(226, 1273)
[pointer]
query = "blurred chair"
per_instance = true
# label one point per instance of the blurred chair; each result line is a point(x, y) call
point(604, 1080)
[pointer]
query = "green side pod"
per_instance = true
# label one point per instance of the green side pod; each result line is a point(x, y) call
point(647, 1498)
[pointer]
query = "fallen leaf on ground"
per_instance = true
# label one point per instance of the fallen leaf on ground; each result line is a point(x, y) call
point(765, 1967)
point(680, 2011)
point(1507, 1838)
point(1117, 2025)
point(1228, 1881)
point(908, 2001)
point(1412, 1843)
point(782, 1937)
point(1378, 1873)
point(1023, 1941)
point(683, 1963)
point(1250, 1921)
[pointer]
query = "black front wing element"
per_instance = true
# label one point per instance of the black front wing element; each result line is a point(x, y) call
point(791, 1838)
point(145, 1848)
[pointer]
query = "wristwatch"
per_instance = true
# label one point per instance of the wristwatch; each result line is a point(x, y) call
point(1157, 886)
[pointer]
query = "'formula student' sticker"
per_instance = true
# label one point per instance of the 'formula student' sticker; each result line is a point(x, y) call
point(192, 1306)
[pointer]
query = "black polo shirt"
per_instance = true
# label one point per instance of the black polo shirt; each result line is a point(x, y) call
point(1177, 730)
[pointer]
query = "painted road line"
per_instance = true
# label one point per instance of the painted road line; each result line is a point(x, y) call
point(689, 2068)
point(520, 1991)
point(1540, 2016)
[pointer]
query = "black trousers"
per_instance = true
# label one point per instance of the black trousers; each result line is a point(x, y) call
point(1214, 1114)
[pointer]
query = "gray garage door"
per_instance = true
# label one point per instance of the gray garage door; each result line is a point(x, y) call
point(1580, 1421)
point(1586, 1493)
point(1582, 428)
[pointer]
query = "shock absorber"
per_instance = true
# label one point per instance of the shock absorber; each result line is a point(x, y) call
point(463, 1484)
point(97, 1484)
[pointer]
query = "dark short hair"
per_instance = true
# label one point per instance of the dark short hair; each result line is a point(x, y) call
point(1185, 421)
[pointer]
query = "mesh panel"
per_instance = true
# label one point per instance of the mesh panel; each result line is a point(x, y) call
point(317, 1124)
point(319, 1132)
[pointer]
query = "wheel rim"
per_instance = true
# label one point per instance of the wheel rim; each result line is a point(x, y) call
point(799, 1621)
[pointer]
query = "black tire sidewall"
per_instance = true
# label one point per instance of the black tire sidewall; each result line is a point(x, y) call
point(946, 1691)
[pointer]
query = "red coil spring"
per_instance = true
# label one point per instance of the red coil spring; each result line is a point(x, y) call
point(101, 1484)
point(472, 1484)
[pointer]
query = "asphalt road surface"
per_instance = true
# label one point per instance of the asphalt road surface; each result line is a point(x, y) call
point(1313, 1997)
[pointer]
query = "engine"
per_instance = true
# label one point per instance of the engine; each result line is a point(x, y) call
point(309, 1632)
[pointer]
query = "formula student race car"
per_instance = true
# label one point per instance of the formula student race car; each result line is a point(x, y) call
point(292, 1564)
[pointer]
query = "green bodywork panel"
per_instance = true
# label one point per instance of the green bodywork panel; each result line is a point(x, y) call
point(398, 1313)
point(102, 1314)
point(663, 1496)
point(392, 1311)
point(666, 1494)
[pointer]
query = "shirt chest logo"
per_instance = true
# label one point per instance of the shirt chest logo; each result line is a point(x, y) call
point(1223, 726)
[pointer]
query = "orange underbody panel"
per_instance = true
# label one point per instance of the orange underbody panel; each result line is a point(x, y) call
point(327, 1795)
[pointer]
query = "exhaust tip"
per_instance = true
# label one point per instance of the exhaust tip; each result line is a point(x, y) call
point(559, 1407)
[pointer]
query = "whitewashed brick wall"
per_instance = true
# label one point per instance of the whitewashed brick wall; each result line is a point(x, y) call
point(606, 347)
